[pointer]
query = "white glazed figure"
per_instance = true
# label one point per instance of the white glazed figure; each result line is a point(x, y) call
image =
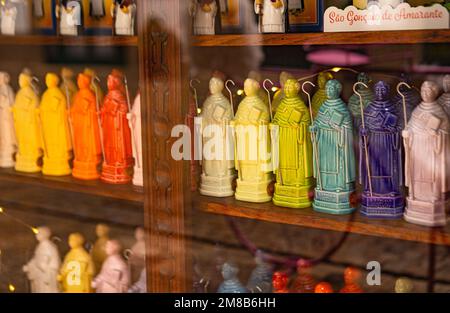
point(427, 165)
point(114, 276)
point(69, 16)
point(204, 14)
point(444, 99)
point(7, 132)
point(8, 20)
point(42, 269)
point(134, 119)
point(124, 18)
point(272, 15)
point(217, 169)
point(136, 259)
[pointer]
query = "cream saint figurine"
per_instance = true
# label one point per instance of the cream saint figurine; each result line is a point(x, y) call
point(271, 13)
point(217, 170)
point(427, 164)
point(42, 269)
point(124, 16)
point(134, 120)
point(444, 99)
point(69, 14)
point(136, 259)
point(7, 132)
point(203, 13)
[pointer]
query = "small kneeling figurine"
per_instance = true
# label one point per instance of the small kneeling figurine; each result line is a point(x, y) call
point(114, 276)
point(272, 18)
point(42, 269)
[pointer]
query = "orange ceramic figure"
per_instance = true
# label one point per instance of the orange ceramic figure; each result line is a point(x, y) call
point(351, 277)
point(279, 282)
point(87, 146)
point(116, 133)
point(304, 282)
point(323, 287)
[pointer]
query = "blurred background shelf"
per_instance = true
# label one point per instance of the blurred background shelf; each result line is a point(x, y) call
point(49, 40)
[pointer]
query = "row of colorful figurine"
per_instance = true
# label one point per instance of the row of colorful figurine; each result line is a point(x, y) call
point(318, 143)
point(17, 15)
point(70, 118)
point(103, 269)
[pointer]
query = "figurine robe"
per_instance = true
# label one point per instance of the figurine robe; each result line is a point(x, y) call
point(204, 16)
point(70, 14)
point(134, 119)
point(272, 15)
point(124, 18)
point(7, 135)
point(114, 276)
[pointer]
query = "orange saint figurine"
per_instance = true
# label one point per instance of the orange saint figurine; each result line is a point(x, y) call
point(323, 287)
point(304, 282)
point(116, 133)
point(351, 277)
point(87, 146)
point(280, 281)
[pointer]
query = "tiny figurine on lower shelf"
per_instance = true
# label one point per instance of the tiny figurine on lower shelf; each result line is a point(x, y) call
point(427, 164)
point(98, 251)
point(134, 120)
point(304, 282)
point(279, 94)
point(140, 286)
point(78, 268)
point(8, 141)
point(320, 96)
point(70, 17)
point(114, 276)
point(260, 280)
point(334, 170)
point(136, 259)
point(271, 15)
point(280, 281)
point(203, 13)
point(444, 99)
point(351, 280)
point(124, 16)
point(231, 283)
point(323, 287)
point(42, 269)
point(27, 126)
point(404, 285)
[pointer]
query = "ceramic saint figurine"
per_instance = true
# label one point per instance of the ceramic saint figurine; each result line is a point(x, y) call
point(8, 16)
point(321, 95)
point(252, 146)
point(427, 149)
point(55, 129)
point(98, 252)
point(134, 121)
point(116, 133)
point(381, 174)
point(404, 285)
point(280, 282)
point(95, 86)
point(141, 285)
point(42, 269)
point(203, 13)
point(260, 280)
point(217, 169)
point(354, 103)
point(124, 15)
point(279, 94)
point(77, 269)
point(444, 99)
point(114, 276)
point(27, 126)
point(70, 15)
point(271, 15)
point(231, 283)
point(351, 279)
point(86, 132)
point(256, 76)
point(136, 260)
point(294, 171)
point(7, 134)
point(304, 282)
point(335, 171)
point(323, 287)
point(68, 86)
point(412, 98)
point(15, 17)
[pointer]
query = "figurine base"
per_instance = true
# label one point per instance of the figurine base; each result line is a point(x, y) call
point(115, 174)
point(426, 213)
point(292, 197)
point(330, 202)
point(27, 164)
point(382, 207)
point(85, 170)
point(252, 191)
point(216, 186)
point(56, 167)
point(138, 178)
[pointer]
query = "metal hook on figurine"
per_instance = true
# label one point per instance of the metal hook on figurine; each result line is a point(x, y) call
point(230, 93)
point(355, 90)
point(403, 100)
point(268, 95)
point(96, 79)
point(195, 92)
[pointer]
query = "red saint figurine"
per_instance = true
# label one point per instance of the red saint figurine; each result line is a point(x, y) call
point(116, 133)
point(323, 287)
point(304, 282)
point(351, 277)
point(279, 282)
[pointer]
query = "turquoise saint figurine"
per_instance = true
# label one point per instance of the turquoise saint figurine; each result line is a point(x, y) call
point(335, 166)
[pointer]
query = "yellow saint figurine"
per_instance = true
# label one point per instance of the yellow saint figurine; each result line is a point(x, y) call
point(321, 94)
point(55, 129)
point(95, 86)
point(68, 86)
point(279, 95)
point(26, 122)
point(78, 268)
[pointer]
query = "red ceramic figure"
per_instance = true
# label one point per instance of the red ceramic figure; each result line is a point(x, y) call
point(323, 287)
point(279, 282)
point(304, 282)
point(351, 277)
point(116, 133)
point(87, 145)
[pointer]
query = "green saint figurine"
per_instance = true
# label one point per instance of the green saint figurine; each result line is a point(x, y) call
point(321, 95)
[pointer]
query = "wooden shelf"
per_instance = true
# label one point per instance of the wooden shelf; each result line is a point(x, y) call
point(359, 38)
point(49, 40)
point(268, 212)
point(68, 183)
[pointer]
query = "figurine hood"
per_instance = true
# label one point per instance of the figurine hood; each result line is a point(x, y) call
point(51, 80)
point(84, 81)
point(4, 78)
point(251, 87)
point(24, 80)
point(291, 88)
point(115, 81)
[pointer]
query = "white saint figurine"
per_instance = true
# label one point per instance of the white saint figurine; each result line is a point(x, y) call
point(427, 164)
point(69, 16)
point(217, 166)
point(8, 142)
point(134, 119)
point(272, 18)
point(136, 258)
point(42, 269)
point(8, 20)
point(124, 16)
point(204, 14)
point(444, 99)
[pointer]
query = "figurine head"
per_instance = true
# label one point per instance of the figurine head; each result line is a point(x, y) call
point(216, 86)
point(382, 90)
point(4, 78)
point(255, 75)
point(333, 89)
point(24, 80)
point(102, 230)
point(76, 240)
point(113, 247)
point(90, 72)
point(84, 81)
point(284, 76)
point(323, 78)
point(251, 87)
point(446, 83)
point(229, 271)
point(351, 275)
point(139, 234)
point(363, 78)
point(404, 285)
point(291, 88)
point(429, 91)
point(66, 73)
point(115, 81)
point(323, 287)
point(279, 280)
point(43, 233)
point(51, 80)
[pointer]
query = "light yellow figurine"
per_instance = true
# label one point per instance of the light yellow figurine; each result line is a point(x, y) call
point(252, 149)
point(95, 86)
point(55, 129)
point(256, 76)
point(78, 268)
point(68, 86)
point(98, 252)
point(27, 126)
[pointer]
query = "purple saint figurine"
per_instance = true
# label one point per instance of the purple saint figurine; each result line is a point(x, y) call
point(382, 183)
